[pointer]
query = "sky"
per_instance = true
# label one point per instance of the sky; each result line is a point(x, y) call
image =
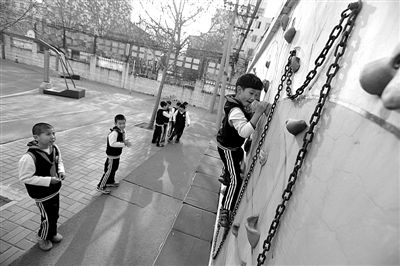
point(202, 24)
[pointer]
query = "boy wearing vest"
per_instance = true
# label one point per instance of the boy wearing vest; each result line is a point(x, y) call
point(41, 170)
point(162, 118)
point(182, 120)
point(116, 141)
point(172, 116)
point(164, 132)
point(237, 125)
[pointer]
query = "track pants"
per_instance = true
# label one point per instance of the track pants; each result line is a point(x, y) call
point(158, 132)
point(110, 167)
point(48, 216)
point(231, 160)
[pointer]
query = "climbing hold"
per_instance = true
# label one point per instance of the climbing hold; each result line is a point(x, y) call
point(295, 126)
point(265, 85)
point(267, 64)
point(252, 233)
point(377, 74)
point(295, 64)
point(284, 21)
point(235, 229)
point(391, 94)
point(263, 157)
point(289, 34)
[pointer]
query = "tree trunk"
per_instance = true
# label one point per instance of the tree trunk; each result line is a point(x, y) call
point(160, 88)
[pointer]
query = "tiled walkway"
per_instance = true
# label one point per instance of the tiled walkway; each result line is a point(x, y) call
point(81, 126)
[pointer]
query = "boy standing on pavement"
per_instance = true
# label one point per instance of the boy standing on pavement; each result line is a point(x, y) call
point(41, 169)
point(172, 115)
point(182, 120)
point(165, 127)
point(236, 126)
point(162, 118)
point(116, 141)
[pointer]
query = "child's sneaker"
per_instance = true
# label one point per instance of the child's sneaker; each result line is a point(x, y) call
point(116, 184)
point(103, 190)
point(44, 244)
point(57, 238)
point(224, 217)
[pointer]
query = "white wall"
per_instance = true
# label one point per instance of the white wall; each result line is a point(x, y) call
point(345, 205)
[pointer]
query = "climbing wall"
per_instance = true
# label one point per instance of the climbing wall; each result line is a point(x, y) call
point(343, 206)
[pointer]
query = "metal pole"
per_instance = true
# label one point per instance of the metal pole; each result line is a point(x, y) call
point(46, 62)
point(226, 66)
point(220, 71)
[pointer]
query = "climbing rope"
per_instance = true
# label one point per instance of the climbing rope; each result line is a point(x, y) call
point(351, 13)
point(335, 33)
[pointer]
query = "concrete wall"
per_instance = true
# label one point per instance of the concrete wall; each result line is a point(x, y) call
point(345, 205)
point(90, 70)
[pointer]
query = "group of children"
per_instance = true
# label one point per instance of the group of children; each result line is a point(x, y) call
point(41, 168)
point(170, 122)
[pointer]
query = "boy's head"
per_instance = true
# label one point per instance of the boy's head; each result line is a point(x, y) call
point(169, 103)
point(163, 104)
point(44, 134)
point(120, 121)
point(248, 89)
point(182, 107)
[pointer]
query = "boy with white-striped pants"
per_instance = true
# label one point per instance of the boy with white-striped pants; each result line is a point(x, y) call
point(41, 169)
point(116, 141)
point(236, 126)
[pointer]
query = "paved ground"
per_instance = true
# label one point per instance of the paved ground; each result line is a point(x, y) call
point(152, 195)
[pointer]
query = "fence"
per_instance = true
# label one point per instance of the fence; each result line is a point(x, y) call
point(116, 73)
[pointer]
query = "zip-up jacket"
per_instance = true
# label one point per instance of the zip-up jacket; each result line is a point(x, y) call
point(115, 151)
point(46, 165)
point(228, 136)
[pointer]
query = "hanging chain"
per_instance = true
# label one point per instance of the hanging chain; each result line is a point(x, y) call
point(288, 71)
point(322, 56)
point(308, 137)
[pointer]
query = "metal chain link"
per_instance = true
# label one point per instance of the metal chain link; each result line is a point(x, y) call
point(308, 137)
point(321, 57)
point(288, 70)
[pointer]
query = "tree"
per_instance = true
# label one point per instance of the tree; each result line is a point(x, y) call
point(168, 29)
point(106, 16)
point(64, 14)
point(13, 15)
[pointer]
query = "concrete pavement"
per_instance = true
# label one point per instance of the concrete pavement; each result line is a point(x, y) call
point(159, 186)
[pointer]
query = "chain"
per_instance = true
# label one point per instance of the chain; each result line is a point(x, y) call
point(288, 71)
point(308, 137)
point(322, 56)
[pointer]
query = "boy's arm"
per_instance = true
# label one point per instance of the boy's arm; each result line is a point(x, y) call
point(27, 169)
point(239, 121)
point(112, 139)
point(61, 168)
point(187, 119)
point(166, 114)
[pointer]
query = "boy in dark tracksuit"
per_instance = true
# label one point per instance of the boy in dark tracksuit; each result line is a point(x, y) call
point(116, 141)
point(41, 170)
point(236, 126)
point(162, 117)
point(182, 120)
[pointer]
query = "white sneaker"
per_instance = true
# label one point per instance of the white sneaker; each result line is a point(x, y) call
point(45, 245)
point(57, 238)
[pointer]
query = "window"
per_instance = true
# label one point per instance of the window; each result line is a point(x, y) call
point(250, 52)
point(254, 38)
point(258, 24)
